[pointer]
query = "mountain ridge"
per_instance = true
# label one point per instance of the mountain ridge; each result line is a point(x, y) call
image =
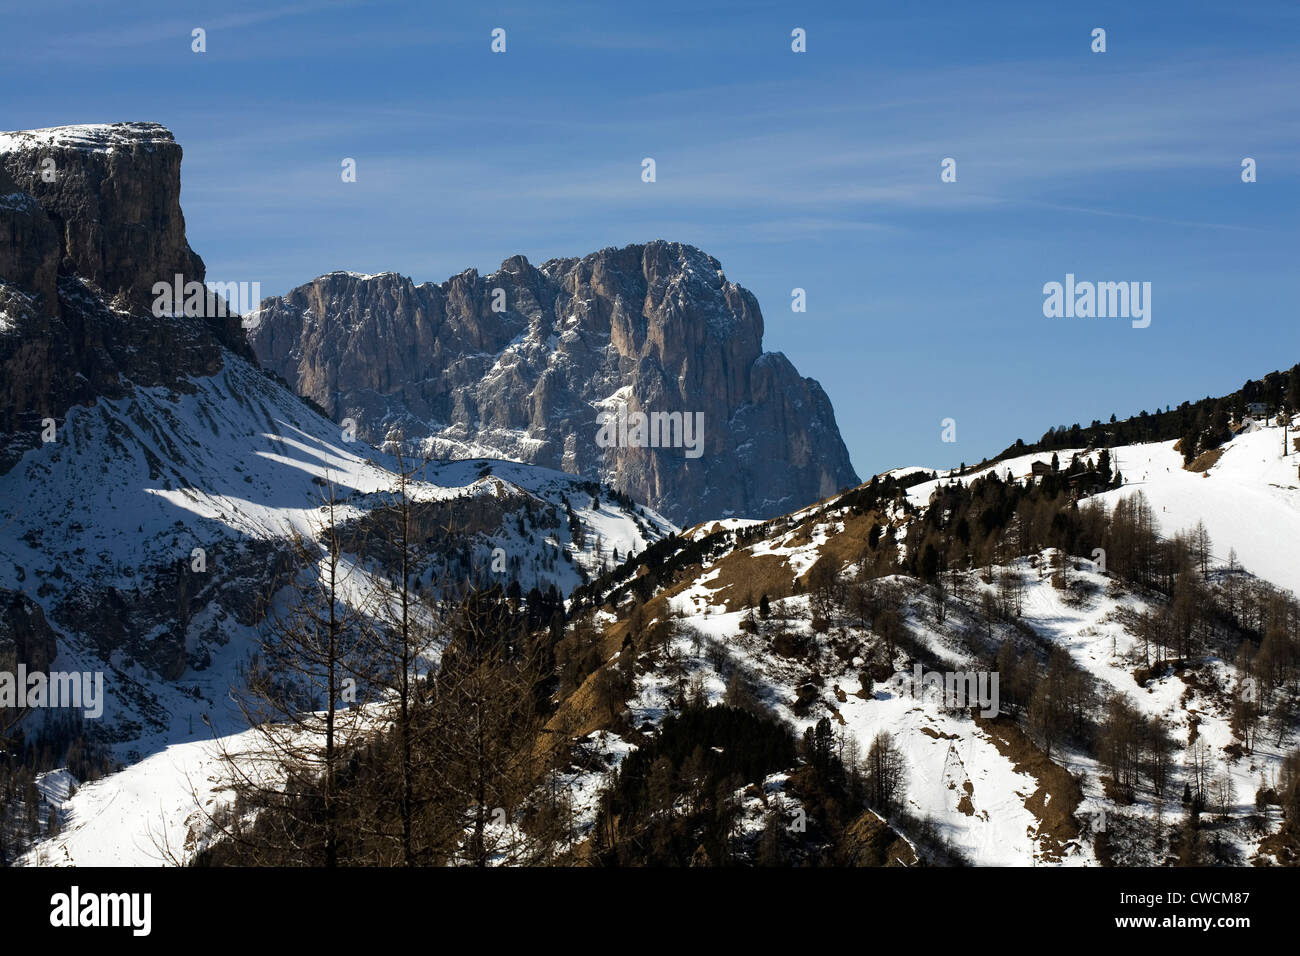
point(659, 319)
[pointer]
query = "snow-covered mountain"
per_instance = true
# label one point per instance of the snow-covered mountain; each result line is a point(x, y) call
point(744, 691)
point(979, 789)
point(149, 529)
point(154, 476)
point(840, 640)
point(1249, 500)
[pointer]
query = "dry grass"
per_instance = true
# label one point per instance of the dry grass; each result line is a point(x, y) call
point(742, 576)
point(1205, 460)
point(850, 544)
point(581, 713)
point(1058, 794)
point(938, 735)
point(964, 804)
point(869, 841)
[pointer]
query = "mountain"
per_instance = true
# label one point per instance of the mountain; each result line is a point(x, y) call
point(518, 364)
point(93, 220)
point(1122, 623)
point(1144, 671)
point(749, 691)
point(154, 479)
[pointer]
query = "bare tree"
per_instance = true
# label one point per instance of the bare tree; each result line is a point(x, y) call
point(404, 631)
point(1201, 547)
point(301, 697)
point(481, 728)
point(885, 777)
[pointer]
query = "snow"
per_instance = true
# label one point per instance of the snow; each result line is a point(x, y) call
point(150, 814)
point(1102, 647)
point(706, 528)
point(157, 812)
point(90, 137)
point(363, 276)
point(1000, 830)
point(1250, 501)
point(19, 202)
point(136, 483)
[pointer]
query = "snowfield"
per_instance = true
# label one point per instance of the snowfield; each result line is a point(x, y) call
point(153, 813)
point(1249, 500)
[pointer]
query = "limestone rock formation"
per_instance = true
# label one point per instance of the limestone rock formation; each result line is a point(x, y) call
point(90, 219)
point(518, 364)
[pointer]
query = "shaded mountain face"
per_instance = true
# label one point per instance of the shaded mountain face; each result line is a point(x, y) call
point(519, 364)
point(90, 219)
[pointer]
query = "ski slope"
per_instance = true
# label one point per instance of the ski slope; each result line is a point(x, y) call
point(1249, 501)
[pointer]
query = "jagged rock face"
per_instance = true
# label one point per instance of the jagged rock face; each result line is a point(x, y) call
point(30, 247)
point(25, 637)
point(113, 192)
point(79, 255)
point(653, 328)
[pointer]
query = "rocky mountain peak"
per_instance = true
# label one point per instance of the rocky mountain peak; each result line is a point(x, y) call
point(112, 191)
point(519, 363)
point(90, 220)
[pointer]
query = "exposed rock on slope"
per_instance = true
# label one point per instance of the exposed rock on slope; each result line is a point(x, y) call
point(654, 328)
point(25, 637)
point(113, 192)
point(90, 219)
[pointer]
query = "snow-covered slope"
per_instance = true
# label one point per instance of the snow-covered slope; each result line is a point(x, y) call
point(945, 751)
point(103, 527)
point(1249, 500)
point(986, 786)
point(147, 529)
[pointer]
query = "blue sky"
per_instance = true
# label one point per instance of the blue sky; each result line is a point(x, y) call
point(817, 170)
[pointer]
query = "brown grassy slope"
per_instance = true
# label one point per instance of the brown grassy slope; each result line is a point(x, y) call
point(1057, 826)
